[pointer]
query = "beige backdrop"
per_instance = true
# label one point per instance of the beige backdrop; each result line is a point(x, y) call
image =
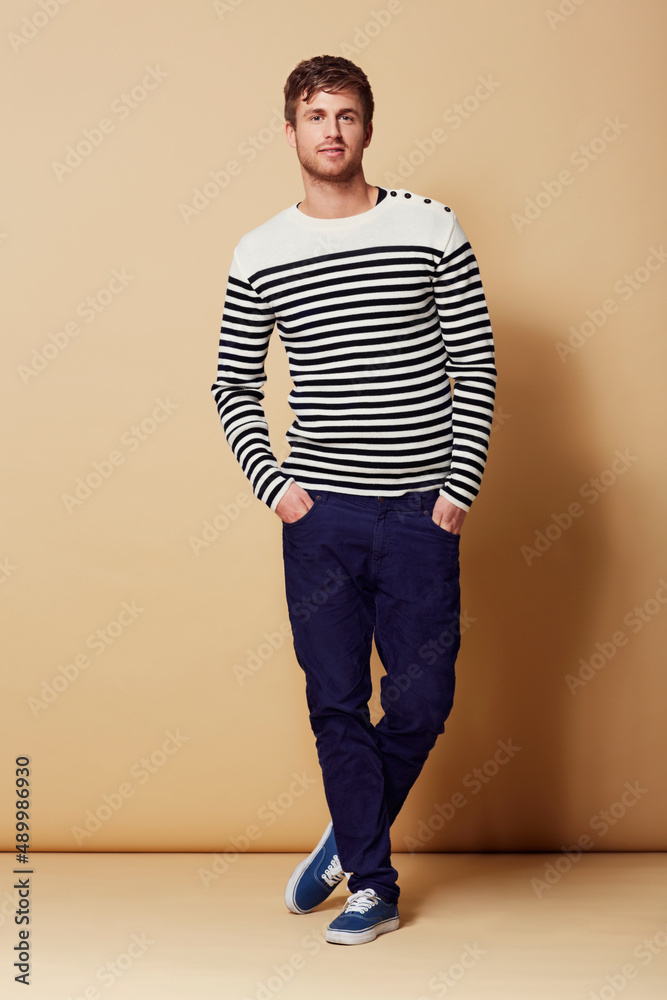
point(148, 667)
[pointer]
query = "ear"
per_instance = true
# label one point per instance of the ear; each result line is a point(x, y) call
point(368, 134)
point(290, 134)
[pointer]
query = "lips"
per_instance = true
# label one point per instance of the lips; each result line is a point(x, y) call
point(332, 150)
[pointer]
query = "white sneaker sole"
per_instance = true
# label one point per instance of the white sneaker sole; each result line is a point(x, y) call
point(361, 937)
point(290, 889)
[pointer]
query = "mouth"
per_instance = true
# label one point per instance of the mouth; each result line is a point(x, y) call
point(332, 151)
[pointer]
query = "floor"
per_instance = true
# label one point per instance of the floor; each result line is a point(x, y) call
point(473, 926)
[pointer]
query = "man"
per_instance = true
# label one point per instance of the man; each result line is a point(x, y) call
point(378, 301)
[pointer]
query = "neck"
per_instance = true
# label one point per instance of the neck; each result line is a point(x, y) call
point(337, 200)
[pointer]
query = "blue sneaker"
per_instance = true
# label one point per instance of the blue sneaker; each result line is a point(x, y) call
point(315, 878)
point(364, 916)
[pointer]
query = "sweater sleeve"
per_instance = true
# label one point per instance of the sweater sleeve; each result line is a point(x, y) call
point(247, 324)
point(468, 339)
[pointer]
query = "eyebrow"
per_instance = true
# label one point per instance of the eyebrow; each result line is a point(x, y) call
point(323, 111)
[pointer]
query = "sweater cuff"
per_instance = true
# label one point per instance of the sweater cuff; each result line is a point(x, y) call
point(455, 498)
point(273, 496)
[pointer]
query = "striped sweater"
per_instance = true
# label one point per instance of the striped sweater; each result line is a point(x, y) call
point(376, 311)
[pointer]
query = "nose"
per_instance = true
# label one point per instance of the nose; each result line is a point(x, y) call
point(332, 129)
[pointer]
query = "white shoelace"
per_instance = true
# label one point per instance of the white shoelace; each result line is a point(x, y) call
point(361, 901)
point(334, 873)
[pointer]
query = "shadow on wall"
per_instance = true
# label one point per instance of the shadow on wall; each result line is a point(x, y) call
point(533, 613)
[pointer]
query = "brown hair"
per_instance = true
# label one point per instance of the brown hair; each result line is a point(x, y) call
point(329, 73)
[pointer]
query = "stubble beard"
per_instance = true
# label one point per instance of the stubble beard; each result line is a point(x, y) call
point(343, 176)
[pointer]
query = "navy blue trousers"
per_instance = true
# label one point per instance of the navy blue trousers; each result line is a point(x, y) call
point(358, 566)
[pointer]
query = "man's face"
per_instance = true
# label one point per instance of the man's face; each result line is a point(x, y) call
point(330, 137)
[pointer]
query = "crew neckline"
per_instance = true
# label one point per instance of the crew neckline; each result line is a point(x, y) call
point(313, 222)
